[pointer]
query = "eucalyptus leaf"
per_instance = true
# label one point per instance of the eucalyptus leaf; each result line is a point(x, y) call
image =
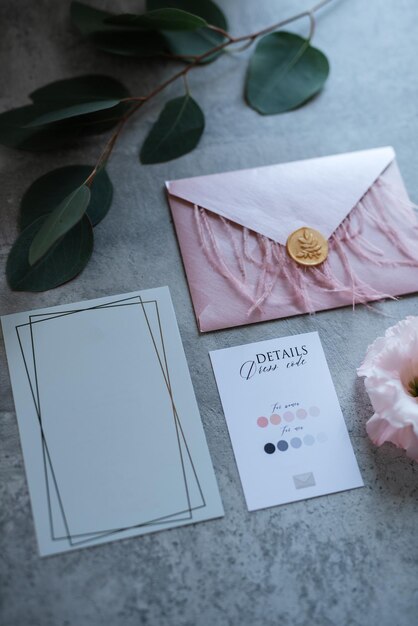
point(96, 123)
point(87, 19)
point(160, 19)
point(64, 111)
point(48, 191)
point(73, 111)
point(88, 91)
point(206, 9)
point(15, 132)
point(58, 222)
point(115, 39)
point(176, 132)
point(127, 41)
point(67, 258)
point(285, 71)
point(191, 44)
point(88, 88)
point(130, 43)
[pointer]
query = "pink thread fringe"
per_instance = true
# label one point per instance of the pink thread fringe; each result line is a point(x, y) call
point(379, 207)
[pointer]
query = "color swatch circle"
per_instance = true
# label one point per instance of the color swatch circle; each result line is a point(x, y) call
point(282, 445)
point(275, 419)
point(288, 416)
point(301, 414)
point(295, 442)
point(262, 421)
point(314, 411)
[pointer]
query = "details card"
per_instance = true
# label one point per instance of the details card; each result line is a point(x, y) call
point(110, 429)
point(287, 429)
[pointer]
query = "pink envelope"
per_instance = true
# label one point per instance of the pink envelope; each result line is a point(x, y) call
point(233, 227)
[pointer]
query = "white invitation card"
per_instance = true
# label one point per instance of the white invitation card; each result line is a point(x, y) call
point(110, 429)
point(287, 430)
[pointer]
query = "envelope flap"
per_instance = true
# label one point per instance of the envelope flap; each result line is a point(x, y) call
point(275, 200)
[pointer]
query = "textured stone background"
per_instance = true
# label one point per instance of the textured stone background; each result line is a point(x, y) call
point(349, 558)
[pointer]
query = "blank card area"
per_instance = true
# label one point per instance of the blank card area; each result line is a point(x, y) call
point(107, 418)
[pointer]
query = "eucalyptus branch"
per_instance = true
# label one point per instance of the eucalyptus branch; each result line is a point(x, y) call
point(56, 241)
point(139, 101)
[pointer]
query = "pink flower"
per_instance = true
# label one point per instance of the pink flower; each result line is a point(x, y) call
point(391, 370)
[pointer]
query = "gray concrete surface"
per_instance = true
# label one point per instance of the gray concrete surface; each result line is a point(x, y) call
point(348, 559)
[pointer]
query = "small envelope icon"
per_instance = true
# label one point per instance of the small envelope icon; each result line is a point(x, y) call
point(304, 480)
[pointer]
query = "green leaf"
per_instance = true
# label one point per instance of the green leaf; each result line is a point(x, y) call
point(67, 105)
point(190, 44)
point(206, 9)
point(81, 89)
point(48, 191)
point(130, 43)
point(160, 19)
point(67, 258)
point(285, 71)
point(127, 41)
point(15, 133)
point(115, 39)
point(87, 19)
point(60, 221)
point(176, 132)
point(72, 111)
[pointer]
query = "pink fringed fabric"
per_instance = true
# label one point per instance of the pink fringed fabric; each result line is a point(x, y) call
point(379, 207)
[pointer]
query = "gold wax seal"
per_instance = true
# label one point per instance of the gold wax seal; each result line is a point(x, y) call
point(307, 246)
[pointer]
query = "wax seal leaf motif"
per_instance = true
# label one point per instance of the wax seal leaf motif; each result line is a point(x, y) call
point(307, 246)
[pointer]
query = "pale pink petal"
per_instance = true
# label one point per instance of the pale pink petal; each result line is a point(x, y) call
point(390, 364)
point(380, 432)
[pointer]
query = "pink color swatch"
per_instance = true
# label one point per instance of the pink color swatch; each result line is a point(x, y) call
point(288, 416)
point(275, 419)
point(262, 422)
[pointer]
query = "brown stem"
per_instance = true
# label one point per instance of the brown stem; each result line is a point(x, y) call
point(139, 101)
point(106, 152)
point(221, 31)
